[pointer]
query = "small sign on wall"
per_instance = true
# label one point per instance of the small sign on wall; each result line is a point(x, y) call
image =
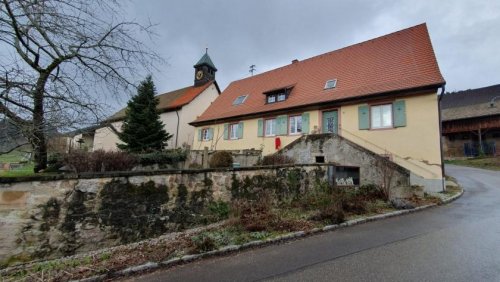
point(343, 176)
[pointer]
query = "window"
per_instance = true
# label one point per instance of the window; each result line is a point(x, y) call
point(332, 83)
point(270, 127)
point(233, 131)
point(295, 124)
point(240, 100)
point(271, 98)
point(277, 96)
point(205, 134)
point(381, 116)
point(281, 97)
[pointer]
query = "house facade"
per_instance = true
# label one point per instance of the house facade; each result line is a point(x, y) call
point(380, 94)
point(177, 108)
point(471, 122)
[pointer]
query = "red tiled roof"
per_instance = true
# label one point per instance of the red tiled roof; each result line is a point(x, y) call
point(171, 100)
point(397, 61)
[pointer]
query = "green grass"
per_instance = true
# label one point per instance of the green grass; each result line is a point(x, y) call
point(12, 157)
point(26, 170)
point(491, 163)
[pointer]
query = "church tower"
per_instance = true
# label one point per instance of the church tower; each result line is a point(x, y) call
point(204, 70)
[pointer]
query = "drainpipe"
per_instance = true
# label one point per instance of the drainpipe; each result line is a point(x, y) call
point(441, 138)
point(177, 133)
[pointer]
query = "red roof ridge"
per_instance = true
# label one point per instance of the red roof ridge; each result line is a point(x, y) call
point(334, 51)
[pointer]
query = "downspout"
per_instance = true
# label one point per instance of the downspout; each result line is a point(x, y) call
point(441, 138)
point(177, 133)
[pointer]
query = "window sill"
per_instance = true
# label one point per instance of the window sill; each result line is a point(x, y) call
point(382, 128)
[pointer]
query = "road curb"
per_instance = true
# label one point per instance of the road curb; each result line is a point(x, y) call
point(150, 266)
point(453, 198)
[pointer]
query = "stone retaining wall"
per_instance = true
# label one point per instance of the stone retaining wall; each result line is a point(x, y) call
point(50, 217)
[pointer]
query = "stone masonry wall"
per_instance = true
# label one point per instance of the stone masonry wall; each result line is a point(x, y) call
point(374, 169)
point(65, 215)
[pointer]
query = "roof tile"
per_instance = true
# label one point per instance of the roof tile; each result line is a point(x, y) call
point(397, 61)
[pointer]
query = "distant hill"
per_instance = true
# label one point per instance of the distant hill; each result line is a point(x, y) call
point(10, 136)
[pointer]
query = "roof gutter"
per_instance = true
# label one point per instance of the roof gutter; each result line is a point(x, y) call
point(441, 137)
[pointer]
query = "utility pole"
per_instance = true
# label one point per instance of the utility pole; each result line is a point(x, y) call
point(252, 69)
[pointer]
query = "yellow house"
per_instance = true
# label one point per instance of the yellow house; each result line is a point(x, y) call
point(177, 108)
point(380, 94)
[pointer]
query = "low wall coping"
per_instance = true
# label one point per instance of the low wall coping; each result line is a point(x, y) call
point(112, 174)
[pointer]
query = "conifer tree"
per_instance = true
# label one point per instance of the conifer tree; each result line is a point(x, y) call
point(142, 129)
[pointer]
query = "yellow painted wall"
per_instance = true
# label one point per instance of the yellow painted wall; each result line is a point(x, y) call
point(250, 139)
point(415, 146)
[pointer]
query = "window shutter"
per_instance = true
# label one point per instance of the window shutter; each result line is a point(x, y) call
point(260, 127)
point(364, 117)
point(210, 133)
point(226, 131)
point(305, 123)
point(199, 134)
point(399, 108)
point(240, 130)
point(282, 125)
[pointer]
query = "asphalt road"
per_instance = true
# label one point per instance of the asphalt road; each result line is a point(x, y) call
point(456, 242)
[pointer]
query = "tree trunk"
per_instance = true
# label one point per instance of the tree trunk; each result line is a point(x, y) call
point(38, 141)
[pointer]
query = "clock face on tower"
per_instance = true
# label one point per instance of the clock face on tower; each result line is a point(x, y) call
point(199, 74)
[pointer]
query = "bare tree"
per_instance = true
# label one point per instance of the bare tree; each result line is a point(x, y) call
point(60, 58)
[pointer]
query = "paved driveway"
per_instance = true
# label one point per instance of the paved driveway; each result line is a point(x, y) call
point(456, 242)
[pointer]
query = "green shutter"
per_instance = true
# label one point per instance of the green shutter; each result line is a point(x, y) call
point(364, 117)
point(210, 133)
point(282, 125)
point(305, 123)
point(240, 130)
point(399, 108)
point(199, 134)
point(260, 127)
point(226, 131)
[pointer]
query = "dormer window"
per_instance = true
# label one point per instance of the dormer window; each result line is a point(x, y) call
point(332, 83)
point(278, 95)
point(271, 98)
point(240, 100)
point(281, 97)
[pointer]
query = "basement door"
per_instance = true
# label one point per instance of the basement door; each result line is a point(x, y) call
point(330, 122)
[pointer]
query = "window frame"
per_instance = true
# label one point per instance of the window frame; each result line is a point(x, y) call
point(381, 127)
point(231, 130)
point(271, 96)
point(273, 127)
point(242, 101)
point(295, 123)
point(331, 87)
point(285, 96)
point(204, 134)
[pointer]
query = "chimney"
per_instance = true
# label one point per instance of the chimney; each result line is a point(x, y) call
point(295, 61)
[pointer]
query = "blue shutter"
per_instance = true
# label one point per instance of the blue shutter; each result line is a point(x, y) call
point(399, 108)
point(364, 117)
point(260, 127)
point(305, 123)
point(282, 125)
point(210, 133)
point(240, 130)
point(199, 134)
point(226, 131)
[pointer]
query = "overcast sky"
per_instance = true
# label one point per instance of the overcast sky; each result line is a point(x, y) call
point(271, 33)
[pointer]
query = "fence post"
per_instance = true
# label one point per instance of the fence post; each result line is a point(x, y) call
point(205, 157)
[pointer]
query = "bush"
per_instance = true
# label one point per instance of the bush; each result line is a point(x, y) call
point(221, 159)
point(170, 157)
point(277, 159)
point(55, 162)
point(217, 211)
point(203, 243)
point(100, 161)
